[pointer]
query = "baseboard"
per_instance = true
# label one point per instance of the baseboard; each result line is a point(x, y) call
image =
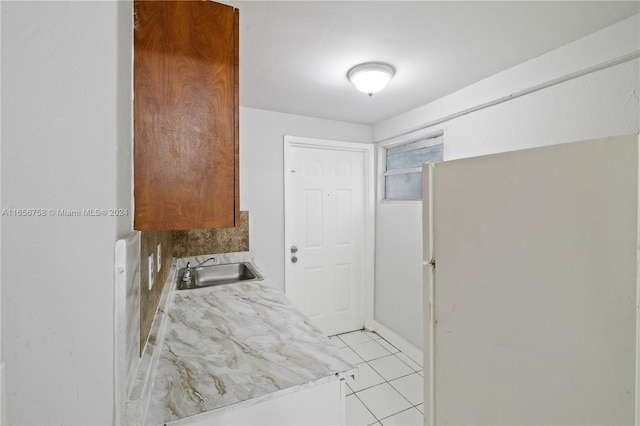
point(399, 342)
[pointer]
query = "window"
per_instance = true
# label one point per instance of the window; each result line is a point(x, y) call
point(403, 166)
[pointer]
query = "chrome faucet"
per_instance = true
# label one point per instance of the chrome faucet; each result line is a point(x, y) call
point(186, 277)
point(202, 263)
point(187, 273)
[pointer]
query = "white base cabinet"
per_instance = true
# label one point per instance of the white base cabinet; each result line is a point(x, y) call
point(322, 404)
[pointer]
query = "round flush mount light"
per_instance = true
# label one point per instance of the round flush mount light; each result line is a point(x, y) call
point(370, 77)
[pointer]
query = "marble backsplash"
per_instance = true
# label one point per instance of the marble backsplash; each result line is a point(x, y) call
point(212, 241)
point(127, 316)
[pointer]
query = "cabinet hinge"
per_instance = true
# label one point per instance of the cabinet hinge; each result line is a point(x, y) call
point(432, 263)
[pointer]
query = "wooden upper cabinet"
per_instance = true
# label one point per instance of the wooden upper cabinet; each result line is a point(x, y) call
point(186, 173)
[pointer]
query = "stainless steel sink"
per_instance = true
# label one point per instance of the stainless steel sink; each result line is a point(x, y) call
point(206, 276)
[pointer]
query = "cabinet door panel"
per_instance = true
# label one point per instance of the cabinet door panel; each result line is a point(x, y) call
point(185, 115)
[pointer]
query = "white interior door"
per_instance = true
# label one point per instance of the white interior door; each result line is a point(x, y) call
point(534, 291)
point(326, 242)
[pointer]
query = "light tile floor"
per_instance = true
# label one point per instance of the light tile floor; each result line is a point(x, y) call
point(389, 389)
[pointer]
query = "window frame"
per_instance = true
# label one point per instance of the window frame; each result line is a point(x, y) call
point(381, 154)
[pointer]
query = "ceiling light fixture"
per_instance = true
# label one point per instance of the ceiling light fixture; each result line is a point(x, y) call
point(370, 77)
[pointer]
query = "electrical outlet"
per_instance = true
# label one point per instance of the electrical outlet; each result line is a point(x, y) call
point(158, 258)
point(151, 271)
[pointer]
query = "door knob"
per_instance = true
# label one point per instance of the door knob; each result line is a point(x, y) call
point(294, 249)
point(294, 259)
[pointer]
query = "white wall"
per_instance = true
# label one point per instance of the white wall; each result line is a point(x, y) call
point(599, 104)
point(66, 144)
point(262, 179)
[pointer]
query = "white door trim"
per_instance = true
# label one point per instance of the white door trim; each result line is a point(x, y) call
point(369, 180)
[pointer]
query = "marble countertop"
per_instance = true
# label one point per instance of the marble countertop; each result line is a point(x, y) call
point(234, 344)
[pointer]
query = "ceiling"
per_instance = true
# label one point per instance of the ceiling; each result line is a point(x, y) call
point(294, 55)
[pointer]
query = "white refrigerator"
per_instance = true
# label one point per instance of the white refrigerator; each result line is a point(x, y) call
point(531, 286)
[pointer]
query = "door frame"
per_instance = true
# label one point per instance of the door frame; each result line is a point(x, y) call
point(369, 207)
